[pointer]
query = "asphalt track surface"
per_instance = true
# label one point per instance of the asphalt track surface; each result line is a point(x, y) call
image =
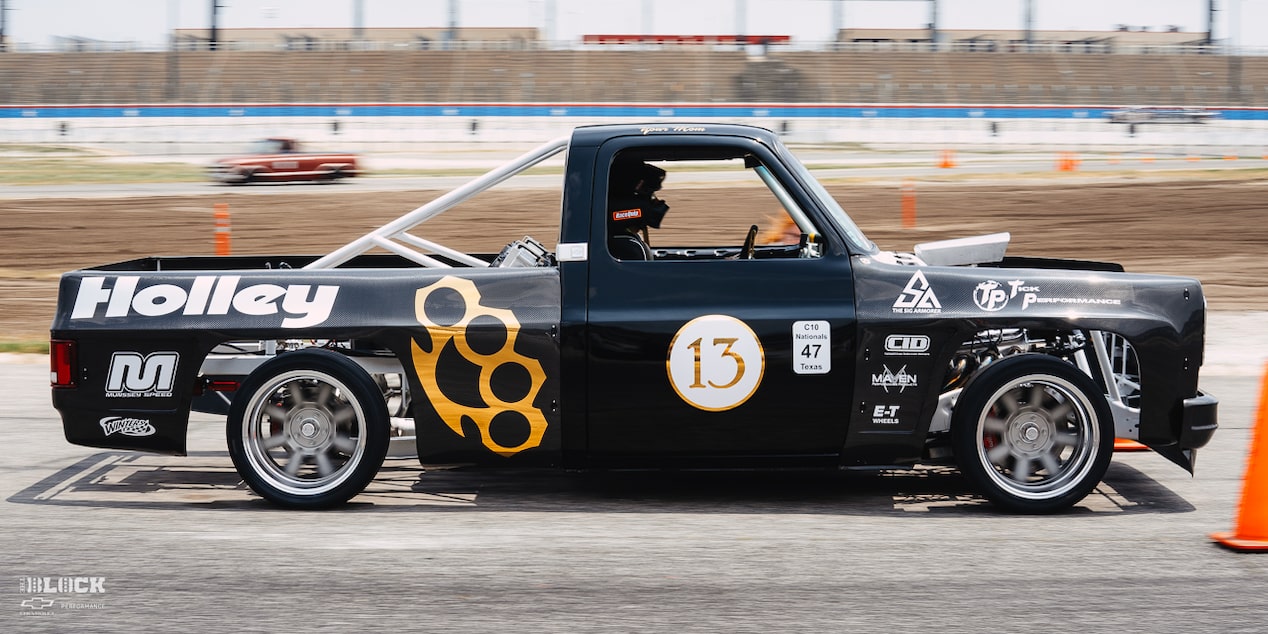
point(181, 544)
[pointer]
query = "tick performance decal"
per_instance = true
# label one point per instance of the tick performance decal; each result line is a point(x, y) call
point(992, 296)
point(508, 381)
point(812, 347)
point(715, 362)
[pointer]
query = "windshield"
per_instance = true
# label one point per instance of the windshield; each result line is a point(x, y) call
point(268, 146)
point(858, 242)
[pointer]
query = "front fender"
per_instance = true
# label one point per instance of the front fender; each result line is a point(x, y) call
point(1162, 317)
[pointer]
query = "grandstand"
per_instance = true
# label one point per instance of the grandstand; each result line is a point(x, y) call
point(659, 74)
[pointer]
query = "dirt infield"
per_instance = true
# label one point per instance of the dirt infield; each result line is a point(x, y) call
point(1214, 230)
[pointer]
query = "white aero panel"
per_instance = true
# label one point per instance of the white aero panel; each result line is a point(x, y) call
point(974, 250)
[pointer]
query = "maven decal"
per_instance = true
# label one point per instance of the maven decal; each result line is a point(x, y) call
point(207, 295)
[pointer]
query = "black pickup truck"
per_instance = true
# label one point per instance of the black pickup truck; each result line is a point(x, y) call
point(640, 339)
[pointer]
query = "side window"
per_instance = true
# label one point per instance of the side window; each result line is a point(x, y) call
point(668, 204)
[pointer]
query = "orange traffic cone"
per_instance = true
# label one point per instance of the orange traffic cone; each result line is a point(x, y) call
point(908, 198)
point(1127, 444)
point(1251, 532)
point(948, 159)
point(223, 233)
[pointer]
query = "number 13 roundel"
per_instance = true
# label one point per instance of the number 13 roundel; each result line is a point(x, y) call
point(715, 362)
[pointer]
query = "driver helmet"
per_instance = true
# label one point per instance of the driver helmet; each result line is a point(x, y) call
point(632, 195)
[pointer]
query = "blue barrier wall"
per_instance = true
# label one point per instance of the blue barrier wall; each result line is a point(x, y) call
point(624, 111)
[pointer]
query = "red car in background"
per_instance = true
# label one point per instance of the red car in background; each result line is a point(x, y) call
point(276, 160)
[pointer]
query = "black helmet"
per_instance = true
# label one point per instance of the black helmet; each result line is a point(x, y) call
point(632, 198)
point(632, 177)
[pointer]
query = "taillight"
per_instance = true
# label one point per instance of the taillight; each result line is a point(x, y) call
point(62, 361)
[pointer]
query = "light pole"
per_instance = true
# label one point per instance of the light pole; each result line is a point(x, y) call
point(4, 25)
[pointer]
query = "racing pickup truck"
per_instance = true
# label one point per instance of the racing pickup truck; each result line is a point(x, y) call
point(278, 160)
point(715, 345)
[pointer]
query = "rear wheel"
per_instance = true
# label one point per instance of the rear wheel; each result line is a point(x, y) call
point(308, 429)
point(1034, 434)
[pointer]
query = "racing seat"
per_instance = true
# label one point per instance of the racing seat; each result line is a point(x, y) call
point(628, 247)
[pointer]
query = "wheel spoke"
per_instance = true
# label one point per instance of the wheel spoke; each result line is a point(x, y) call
point(994, 425)
point(1009, 401)
point(296, 389)
point(275, 412)
point(1050, 464)
point(1059, 413)
point(998, 454)
point(1035, 399)
point(1066, 440)
point(324, 467)
point(324, 392)
point(1022, 469)
point(345, 444)
point(344, 415)
point(273, 442)
point(297, 461)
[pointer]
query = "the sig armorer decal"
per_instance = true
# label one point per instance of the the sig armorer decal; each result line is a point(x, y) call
point(508, 381)
point(715, 362)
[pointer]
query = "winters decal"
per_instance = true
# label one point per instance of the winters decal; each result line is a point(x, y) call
point(500, 401)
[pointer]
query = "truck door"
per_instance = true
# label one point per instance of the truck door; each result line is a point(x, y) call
point(713, 344)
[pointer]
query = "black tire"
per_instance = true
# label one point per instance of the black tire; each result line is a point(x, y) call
point(308, 429)
point(1034, 434)
point(332, 176)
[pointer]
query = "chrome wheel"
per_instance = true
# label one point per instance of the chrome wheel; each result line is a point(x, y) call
point(309, 429)
point(1037, 437)
point(1033, 432)
point(305, 432)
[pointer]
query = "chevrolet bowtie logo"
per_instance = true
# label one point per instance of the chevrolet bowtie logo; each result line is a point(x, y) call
point(37, 603)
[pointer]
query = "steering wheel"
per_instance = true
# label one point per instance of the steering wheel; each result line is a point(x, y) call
point(746, 251)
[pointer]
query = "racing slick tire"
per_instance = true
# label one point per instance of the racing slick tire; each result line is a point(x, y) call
point(1033, 433)
point(308, 429)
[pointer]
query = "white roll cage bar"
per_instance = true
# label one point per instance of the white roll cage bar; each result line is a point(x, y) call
point(395, 237)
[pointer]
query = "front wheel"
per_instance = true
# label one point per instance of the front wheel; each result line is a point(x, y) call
point(309, 429)
point(1034, 434)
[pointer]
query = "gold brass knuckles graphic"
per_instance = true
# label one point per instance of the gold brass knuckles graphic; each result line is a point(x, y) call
point(425, 364)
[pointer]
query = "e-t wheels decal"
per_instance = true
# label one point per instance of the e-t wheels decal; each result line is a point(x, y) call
point(715, 362)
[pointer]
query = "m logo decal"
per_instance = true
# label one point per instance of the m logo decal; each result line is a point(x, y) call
point(132, 375)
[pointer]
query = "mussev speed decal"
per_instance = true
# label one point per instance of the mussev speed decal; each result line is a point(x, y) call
point(715, 362)
point(454, 306)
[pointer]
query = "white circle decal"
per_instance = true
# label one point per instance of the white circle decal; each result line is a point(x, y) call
point(715, 362)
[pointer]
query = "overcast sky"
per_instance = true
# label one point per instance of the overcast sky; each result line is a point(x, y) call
point(37, 22)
